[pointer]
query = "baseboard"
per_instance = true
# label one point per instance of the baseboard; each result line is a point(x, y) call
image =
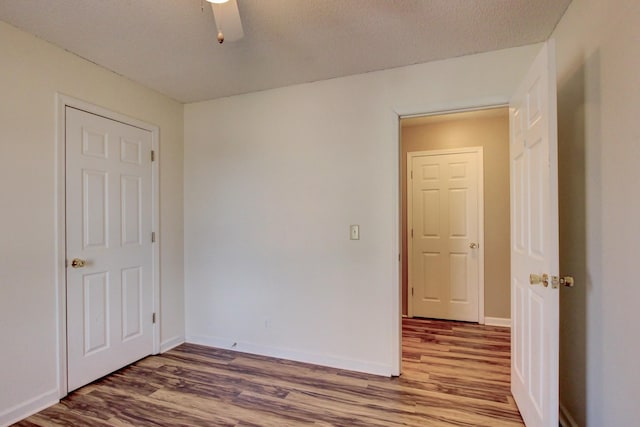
point(497, 321)
point(170, 343)
point(30, 407)
point(294, 355)
point(566, 420)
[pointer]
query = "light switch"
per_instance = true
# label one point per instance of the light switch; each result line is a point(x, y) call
point(355, 232)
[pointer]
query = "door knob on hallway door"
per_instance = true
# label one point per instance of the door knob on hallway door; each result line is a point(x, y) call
point(77, 263)
point(474, 245)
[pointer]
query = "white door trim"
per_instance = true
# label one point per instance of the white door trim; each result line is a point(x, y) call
point(63, 101)
point(480, 180)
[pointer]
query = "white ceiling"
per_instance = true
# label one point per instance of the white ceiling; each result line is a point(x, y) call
point(170, 45)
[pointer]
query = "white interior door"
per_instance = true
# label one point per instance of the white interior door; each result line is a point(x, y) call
point(108, 226)
point(534, 243)
point(444, 230)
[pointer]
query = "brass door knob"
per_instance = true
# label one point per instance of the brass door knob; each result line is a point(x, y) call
point(567, 281)
point(473, 245)
point(537, 279)
point(77, 263)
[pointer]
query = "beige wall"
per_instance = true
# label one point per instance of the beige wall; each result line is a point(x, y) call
point(599, 149)
point(273, 180)
point(489, 130)
point(31, 73)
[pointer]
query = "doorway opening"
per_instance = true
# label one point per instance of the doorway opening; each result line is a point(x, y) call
point(464, 249)
point(445, 136)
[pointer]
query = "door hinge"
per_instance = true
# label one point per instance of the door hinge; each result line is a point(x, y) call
point(411, 291)
point(153, 156)
point(153, 237)
point(412, 233)
point(411, 174)
point(153, 318)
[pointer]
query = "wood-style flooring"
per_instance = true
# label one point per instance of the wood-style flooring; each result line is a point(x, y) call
point(454, 374)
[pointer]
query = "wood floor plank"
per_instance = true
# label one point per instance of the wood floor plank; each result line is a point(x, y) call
point(228, 409)
point(454, 374)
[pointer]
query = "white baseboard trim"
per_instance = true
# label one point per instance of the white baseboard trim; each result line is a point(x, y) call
point(30, 407)
point(170, 343)
point(497, 321)
point(294, 355)
point(566, 420)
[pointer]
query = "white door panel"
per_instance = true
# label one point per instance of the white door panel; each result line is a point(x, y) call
point(444, 221)
point(534, 243)
point(109, 219)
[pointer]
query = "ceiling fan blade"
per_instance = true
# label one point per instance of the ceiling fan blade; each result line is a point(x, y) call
point(227, 18)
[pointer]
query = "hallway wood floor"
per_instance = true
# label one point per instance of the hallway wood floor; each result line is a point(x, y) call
point(454, 374)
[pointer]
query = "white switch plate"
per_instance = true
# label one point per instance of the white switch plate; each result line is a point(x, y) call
point(355, 232)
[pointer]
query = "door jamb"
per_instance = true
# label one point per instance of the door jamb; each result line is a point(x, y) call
point(63, 101)
point(480, 181)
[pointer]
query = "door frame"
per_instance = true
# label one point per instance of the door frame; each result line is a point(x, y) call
point(62, 102)
point(480, 181)
point(395, 115)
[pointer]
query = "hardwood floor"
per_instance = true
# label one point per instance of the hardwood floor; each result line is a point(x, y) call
point(454, 374)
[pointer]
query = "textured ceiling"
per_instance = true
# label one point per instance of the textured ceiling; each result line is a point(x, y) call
point(170, 45)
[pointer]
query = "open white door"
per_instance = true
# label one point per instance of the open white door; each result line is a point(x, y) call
point(534, 243)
